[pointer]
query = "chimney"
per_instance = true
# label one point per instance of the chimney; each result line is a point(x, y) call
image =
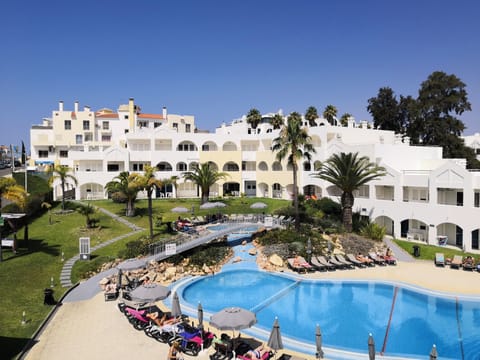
point(76, 107)
point(131, 113)
point(60, 106)
point(164, 113)
point(86, 108)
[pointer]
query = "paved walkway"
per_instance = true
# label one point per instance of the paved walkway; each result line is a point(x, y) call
point(66, 273)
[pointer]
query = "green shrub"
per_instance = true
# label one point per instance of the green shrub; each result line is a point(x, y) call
point(373, 231)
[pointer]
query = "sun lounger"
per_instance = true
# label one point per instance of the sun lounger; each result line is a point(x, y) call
point(337, 263)
point(354, 261)
point(468, 263)
point(322, 260)
point(439, 259)
point(378, 260)
point(317, 265)
point(344, 261)
point(390, 260)
point(300, 265)
point(456, 262)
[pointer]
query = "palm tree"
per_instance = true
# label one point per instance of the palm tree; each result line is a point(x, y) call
point(125, 185)
point(10, 190)
point(330, 114)
point(149, 182)
point(277, 121)
point(348, 172)
point(344, 119)
point(87, 211)
point(311, 115)
point(253, 118)
point(62, 173)
point(294, 143)
point(204, 176)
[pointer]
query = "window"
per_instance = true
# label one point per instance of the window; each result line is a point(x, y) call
point(175, 126)
point(68, 125)
point(113, 167)
point(157, 124)
point(126, 131)
point(188, 128)
point(138, 167)
point(86, 125)
point(126, 117)
point(181, 166)
point(142, 124)
point(78, 139)
point(105, 125)
point(476, 201)
point(106, 138)
point(42, 153)
point(64, 153)
point(88, 137)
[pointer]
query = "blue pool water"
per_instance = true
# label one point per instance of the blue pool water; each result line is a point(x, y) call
point(347, 311)
point(236, 238)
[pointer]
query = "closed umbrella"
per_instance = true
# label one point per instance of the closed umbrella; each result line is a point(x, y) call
point(176, 310)
point(433, 353)
point(150, 293)
point(179, 209)
point(318, 342)
point(200, 315)
point(275, 339)
point(258, 205)
point(371, 347)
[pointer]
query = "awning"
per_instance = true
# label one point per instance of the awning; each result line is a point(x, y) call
point(43, 162)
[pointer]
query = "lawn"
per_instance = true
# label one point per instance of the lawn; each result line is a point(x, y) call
point(427, 252)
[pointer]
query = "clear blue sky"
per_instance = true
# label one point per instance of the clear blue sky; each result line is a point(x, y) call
point(218, 59)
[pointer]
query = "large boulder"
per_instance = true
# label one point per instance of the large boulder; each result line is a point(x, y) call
point(275, 260)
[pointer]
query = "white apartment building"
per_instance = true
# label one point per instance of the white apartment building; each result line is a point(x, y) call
point(423, 196)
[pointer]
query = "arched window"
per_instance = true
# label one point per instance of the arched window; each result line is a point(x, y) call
point(262, 166)
point(231, 166)
point(164, 166)
point(276, 166)
point(229, 146)
point(187, 146)
point(181, 166)
point(307, 166)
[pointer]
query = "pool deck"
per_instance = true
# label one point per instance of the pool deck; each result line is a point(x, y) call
point(95, 329)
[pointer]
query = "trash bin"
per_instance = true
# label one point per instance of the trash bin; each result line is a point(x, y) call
point(48, 299)
point(416, 250)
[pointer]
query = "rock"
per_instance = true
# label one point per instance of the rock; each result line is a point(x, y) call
point(275, 260)
point(237, 259)
point(252, 251)
point(170, 272)
point(244, 242)
point(206, 269)
point(104, 281)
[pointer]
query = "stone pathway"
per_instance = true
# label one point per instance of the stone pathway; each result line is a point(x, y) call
point(66, 273)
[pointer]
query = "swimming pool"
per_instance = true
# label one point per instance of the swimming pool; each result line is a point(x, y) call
point(236, 238)
point(404, 321)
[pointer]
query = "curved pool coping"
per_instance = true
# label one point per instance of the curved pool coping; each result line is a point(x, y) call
point(296, 345)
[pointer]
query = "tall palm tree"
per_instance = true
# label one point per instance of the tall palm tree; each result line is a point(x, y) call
point(126, 186)
point(330, 114)
point(311, 115)
point(253, 118)
point(62, 173)
point(204, 176)
point(148, 182)
point(294, 143)
point(344, 119)
point(349, 171)
point(277, 121)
